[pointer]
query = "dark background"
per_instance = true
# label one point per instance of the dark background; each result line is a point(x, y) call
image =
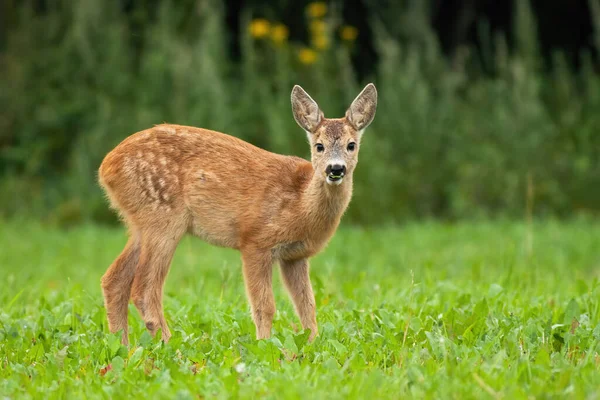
point(487, 108)
point(564, 25)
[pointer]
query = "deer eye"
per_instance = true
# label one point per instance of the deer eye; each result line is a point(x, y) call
point(351, 146)
point(320, 147)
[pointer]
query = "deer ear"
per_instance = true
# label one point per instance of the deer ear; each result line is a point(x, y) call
point(362, 110)
point(306, 110)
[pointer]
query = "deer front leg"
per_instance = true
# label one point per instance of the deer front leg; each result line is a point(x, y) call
point(258, 270)
point(297, 280)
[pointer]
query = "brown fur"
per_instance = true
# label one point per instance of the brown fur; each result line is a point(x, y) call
point(171, 180)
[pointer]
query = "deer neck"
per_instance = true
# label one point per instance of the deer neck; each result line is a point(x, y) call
point(323, 205)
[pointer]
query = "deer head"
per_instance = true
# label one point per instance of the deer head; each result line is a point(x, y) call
point(334, 142)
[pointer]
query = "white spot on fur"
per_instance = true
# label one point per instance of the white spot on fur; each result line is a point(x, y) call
point(169, 130)
point(308, 135)
point(150, 187)
point(337, 161)
point(143, 164)
point(128, 164)
point(337, 182)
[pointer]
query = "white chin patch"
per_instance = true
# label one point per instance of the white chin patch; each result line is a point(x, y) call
point(334, 182)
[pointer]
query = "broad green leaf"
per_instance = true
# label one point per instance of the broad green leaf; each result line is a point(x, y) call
point(118, 364)
point(339, 348)
point(571, 312)
point(135, 357)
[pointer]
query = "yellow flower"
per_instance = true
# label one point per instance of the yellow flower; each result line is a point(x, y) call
point(349, 33)
point(259, 28)
point(321, 42)
point(279, 34)
point(317, 9)
point(307, 56)
point(317, 27)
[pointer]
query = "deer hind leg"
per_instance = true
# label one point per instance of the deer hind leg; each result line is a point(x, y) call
point(297, 280)
point(116, 286)
point(258, 271)
point(150, 275)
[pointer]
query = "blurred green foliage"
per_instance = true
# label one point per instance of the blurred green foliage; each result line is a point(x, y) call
point(447, 141)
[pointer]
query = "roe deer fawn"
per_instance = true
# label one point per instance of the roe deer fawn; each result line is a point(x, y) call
point(170, 180)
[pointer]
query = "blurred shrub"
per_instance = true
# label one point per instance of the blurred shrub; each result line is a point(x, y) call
point(447, 142)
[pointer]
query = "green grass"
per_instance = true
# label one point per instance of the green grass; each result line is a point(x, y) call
point(468, 310)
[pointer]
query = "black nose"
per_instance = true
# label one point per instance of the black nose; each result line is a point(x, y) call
point(336, 170)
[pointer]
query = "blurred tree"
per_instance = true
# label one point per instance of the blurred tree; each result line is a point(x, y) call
point(75, 77)
point(563, 25)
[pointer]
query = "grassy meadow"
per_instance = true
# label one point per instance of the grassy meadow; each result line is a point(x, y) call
point(428, 310)
point(491, 308)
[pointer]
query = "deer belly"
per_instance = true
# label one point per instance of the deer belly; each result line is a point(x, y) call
point(216, 231)
point(214, 210)
point(291, 251)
